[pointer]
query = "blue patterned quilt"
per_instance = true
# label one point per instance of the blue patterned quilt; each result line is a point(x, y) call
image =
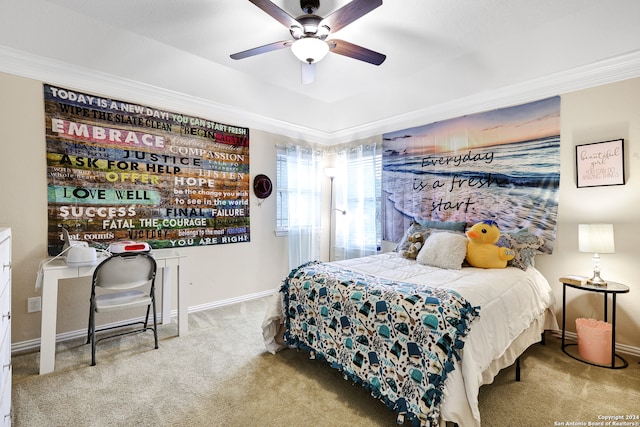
point(398, 340)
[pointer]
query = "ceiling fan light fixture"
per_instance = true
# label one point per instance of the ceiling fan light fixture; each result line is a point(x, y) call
point(310, 49)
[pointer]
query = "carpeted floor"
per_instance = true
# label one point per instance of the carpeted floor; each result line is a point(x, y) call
point(220, 375)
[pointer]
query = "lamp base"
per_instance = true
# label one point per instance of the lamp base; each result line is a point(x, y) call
point(596, 280)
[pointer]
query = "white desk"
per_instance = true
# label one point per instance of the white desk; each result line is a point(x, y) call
point(58, 269)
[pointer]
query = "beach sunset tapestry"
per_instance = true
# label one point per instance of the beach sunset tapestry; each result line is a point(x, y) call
point(502, 165)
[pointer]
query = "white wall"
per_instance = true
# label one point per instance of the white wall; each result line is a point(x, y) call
point(219, 274)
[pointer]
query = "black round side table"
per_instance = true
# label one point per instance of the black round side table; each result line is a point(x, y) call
point(613, 289)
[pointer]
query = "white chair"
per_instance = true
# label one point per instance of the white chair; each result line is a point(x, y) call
point(123, 278)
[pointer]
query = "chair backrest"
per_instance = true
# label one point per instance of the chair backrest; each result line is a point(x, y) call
point(125, 271)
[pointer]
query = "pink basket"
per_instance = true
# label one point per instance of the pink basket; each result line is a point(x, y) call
point(594, 340)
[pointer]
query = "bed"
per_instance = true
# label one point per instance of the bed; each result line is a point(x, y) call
point(422, 335)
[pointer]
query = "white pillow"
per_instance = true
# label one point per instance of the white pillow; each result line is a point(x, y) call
point(444, 250)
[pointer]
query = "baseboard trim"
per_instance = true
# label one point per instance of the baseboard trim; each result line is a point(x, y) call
point(229, 301)
point(620, 348)
point(34, 344)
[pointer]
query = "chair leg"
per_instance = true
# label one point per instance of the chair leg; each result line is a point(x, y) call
point(146, 318)
point(91, 330)
point(91, 314)
point(155, 320)
point(93, 338)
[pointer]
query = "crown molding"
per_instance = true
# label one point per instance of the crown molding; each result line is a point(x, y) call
point(611, 70)
point(63, 74)
point(27, 65)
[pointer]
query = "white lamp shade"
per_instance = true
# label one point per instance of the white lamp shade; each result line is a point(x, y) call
point(596, 238)
point(330, 172)
point(310, 49)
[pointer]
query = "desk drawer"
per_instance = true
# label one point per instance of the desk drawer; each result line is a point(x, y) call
point(5, 259)
point(5, 327)
point(5, 357)
point(5, 310)
point(5, 402)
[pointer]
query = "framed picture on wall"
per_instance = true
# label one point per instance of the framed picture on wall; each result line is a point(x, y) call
point(600, 163)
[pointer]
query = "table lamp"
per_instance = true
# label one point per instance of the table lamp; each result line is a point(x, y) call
point(597, 239)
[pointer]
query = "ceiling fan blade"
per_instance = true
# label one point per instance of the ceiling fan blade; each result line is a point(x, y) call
point(308, 72)
point(349, 13)
point(262, 49)
point(354, 51)
point(275, 12)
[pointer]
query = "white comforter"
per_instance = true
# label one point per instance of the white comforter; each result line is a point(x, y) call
point(516, 306)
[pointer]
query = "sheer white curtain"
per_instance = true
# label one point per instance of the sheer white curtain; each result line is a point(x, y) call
point(304, 191)
point(357, 188)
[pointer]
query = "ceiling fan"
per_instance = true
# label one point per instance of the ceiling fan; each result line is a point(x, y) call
point(310, 33)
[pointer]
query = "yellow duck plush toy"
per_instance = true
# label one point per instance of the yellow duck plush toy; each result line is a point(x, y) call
point(481, 249)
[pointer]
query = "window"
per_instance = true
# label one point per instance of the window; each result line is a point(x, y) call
point(299, 201)
point(358, 191)
point(282, 197)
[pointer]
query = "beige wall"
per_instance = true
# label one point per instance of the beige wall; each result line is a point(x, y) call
point(214, 273)
point(600, 114)
point(230, 272)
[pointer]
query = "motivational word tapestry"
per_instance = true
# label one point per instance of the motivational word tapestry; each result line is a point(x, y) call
point(502, 165)
point(122, 171)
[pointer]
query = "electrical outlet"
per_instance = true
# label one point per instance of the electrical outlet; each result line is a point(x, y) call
point(34, 304)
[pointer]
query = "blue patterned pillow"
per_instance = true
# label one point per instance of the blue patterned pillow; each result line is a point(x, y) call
point(524, 244)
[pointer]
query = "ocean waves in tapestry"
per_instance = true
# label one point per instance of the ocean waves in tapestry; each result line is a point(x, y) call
point(502, 165)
